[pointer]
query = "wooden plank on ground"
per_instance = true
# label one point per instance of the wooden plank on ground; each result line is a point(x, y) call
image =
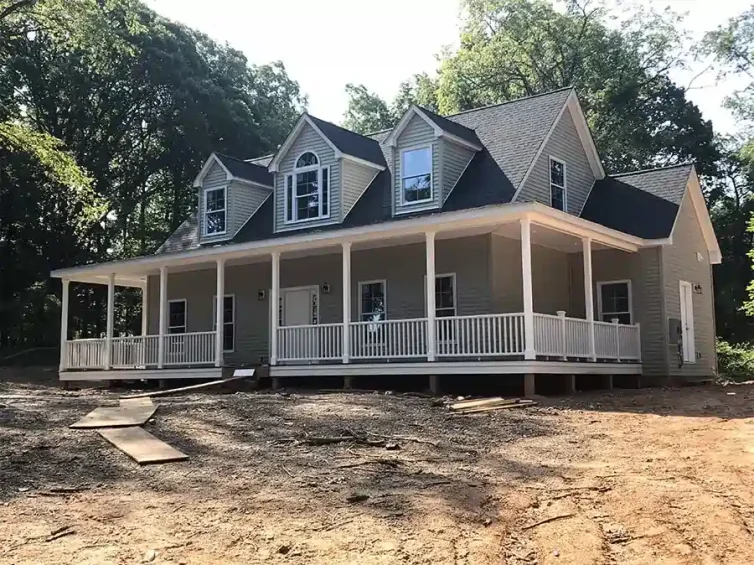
point(141, 446)
point(479, 402)
point(199, 386)
point(479, 409)
point(127, 414)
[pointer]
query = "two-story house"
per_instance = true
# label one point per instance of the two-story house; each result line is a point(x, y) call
point(487, 242)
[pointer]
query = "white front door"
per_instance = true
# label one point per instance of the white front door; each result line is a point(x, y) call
point(297, 306)
point(687, 322)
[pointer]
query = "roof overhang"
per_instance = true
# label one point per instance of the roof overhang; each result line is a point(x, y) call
point(491, 216)
point(228, 175)
point(392, 139)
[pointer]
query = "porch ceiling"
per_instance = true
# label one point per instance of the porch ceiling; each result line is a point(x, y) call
point(545, 236)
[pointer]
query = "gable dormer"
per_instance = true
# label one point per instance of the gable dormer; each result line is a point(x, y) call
point(320, 172)
point(230, 191)
point(429, 153)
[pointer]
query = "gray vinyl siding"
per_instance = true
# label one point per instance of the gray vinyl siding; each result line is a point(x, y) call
point(418, 133)
point(308, 140)
point(564, 144)
point(402, 267)
point(680, 263)
point(356, 179)
point(215, 178)
point(643, 269)
point(455, 158)
point(245, 200)
point(550, 269)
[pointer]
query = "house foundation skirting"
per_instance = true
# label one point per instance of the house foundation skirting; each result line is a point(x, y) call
point(456, 368)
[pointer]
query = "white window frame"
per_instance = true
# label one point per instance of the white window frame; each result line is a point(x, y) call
point(565, 181)
point(293, 176)
point(431, 176)
point(185, 315)
point(601, 313)
point(224, 210)
point(383, 282)
point(232, 323)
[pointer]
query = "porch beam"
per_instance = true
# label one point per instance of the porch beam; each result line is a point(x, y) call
point(163, 316)
point(529, 351)
point(430, 292)
point(346, 301)
point(110, 321)
point(274, 307)
point(64, 325)
point(219, 312)
point(588, 297)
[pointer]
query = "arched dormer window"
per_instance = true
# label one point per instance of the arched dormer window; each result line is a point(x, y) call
point(307, 190)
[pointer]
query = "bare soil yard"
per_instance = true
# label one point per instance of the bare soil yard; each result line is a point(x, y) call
point(648, 476)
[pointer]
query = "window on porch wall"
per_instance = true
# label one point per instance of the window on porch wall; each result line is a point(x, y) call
point(615, 301)
point(445, 305)
point(229, 321)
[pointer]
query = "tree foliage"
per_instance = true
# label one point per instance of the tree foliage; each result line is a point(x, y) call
point(514, 48)
point(115, 108)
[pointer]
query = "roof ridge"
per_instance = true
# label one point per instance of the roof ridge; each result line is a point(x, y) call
point(245, 162)
point(509, 102)
point(256, 158)
point(653, 169)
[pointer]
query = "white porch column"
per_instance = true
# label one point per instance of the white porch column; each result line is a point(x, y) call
point(219, 312)
point(346, 302)
point(110, 321)
point(163, 317)
point(529, 352)
point(64, 325)
point(144, 308)
point(431, 312)
point(588, 298)
point(274, 307)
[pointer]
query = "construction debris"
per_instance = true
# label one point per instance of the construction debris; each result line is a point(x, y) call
point(237, 375)
point(141, 446)
point(129, 413)
point(488, 404)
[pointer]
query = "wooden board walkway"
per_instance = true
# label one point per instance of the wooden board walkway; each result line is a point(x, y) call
point(129, 413)
point(141, 446)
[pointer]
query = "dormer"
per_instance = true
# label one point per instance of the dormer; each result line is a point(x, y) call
point(230, 191)
point(429, 153)
point(320, 171)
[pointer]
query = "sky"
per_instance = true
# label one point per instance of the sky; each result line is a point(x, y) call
point(329, 43)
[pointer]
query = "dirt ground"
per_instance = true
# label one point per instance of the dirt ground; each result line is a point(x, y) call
point(649, 476)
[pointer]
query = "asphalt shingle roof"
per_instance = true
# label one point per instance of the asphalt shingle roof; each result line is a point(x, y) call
point(246, 170)
point(351, 143)
point(643, 203)
point(452, 127)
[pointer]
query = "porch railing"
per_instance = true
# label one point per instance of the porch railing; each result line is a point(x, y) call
point(86, 353)
point(311, 342)
point(133, 352)
point(480, 336)
point(392, 339)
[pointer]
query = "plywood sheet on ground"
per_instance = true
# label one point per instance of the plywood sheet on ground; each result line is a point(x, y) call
point(141, 446)
point(127, 414)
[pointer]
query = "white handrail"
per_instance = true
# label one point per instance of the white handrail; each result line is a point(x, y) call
point(196, 348)
point(480, 336)
point(135, 351)
point(315, 342)
point(389, 339)
point(86, 353)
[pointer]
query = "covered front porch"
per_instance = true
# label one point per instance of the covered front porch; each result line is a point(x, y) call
point(433, 331)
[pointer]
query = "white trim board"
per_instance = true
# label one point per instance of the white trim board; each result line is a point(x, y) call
point(456, 368)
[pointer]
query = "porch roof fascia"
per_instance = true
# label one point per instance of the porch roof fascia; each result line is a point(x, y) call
point(478, 217)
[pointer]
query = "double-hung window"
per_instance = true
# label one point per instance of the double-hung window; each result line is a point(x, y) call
point(557, 184)
point(177, 316)
point(215, 211)
point(307, 190)
point(445, 306)
point(416, 175)
point(229, 321)
point(373, 304)
point(614, 301)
